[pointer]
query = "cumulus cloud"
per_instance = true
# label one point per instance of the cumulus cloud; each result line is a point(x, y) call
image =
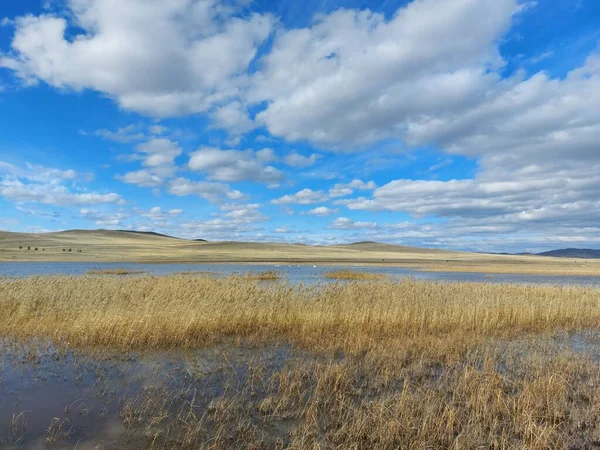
point(158, 158)
point(303, 197)
point(154, 57)
point(236, 220)
point(354, 77)
point(143, 178)
point(322, 211)
point(233, 117)
point(213, 192)
point(39, 184)
point(130, 133)
point(295, 159)
point(234, 165)
point(102, 218)
point(343, 223)
point(345, 189)
point(243, 213)
point(52, 194)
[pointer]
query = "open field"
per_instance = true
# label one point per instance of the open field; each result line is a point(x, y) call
point(189, 361)
point(114, 246)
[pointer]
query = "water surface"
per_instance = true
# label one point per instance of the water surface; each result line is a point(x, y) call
point(293, 273)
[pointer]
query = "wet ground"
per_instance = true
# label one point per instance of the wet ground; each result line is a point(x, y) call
point(52, 398)
point(58, 398)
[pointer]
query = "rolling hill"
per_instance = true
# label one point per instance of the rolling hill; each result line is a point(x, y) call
point(150, 247)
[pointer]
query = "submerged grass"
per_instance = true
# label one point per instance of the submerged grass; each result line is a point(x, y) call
point(116, 271)
point(353, 275)
point(267, 275)
point(382, 364)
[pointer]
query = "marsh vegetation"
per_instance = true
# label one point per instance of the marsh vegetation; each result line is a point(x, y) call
point(114, 271)
point(353, 275)
point(238, 363)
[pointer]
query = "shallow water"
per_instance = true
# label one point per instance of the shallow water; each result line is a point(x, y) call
point(293, 273)
point(59, 399)
point(52, 398)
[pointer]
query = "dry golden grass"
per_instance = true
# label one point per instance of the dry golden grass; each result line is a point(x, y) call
point(267, 275)
point(353, 275)
point(379, 364)
point(116, 271)
point(182, 311)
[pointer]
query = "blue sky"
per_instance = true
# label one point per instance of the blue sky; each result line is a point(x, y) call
point(459, 124)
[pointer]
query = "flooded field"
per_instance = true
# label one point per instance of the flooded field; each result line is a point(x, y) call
point(308, 273)
point(55, 398)
point(239, 396)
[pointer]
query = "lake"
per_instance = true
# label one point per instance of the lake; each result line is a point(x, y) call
point(293, 273)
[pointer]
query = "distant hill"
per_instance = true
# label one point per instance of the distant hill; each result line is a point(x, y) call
point(584, 253)
point(148, 233)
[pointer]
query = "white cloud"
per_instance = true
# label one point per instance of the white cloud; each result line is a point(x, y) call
point(236, 221)
point(130, 133)
point(39, 184)
point(295, 159)
point(343, 223)
point(52, 194)
point(243, 213)
point(158, 158)
point(322, 211)
point(284, 230)
point(175, 212)
point(103, 218)
point(213, 192)
point(233, 117)
point(143, 178)
point(354, 77)
point(157, 129)
point(303, 197)
point(345, 189)
point(161, 58)
point(160, 154)
point(234, 165)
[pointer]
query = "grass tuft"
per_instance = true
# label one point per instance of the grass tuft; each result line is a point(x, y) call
point(117, 271)
point(353, 275)
point(268, 275)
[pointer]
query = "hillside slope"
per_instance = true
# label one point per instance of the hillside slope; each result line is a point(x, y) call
point(125, 246)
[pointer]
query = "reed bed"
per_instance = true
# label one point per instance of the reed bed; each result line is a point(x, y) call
point(154, 312)
point(267, 275)
point(353, 275)
point(116, 271)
